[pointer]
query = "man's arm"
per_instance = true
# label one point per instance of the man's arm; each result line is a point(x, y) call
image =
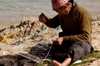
point(53, 23)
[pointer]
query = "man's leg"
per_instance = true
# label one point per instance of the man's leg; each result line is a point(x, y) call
point(77, 51)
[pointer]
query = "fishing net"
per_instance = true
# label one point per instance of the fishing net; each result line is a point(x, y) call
point(40, 52)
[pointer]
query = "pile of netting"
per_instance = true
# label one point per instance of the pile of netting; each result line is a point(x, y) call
point(39, 55)
point(15, 35)
point(25, 30)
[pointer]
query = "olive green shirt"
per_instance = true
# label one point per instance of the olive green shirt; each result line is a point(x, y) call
point(75, 26)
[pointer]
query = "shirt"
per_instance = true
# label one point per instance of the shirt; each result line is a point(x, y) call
point(75, 26)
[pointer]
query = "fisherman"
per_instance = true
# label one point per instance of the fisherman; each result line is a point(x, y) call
point(74, 43)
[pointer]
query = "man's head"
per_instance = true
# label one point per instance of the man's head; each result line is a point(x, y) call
point(63, 7)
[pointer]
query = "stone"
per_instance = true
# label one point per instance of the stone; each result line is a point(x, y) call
point(98, 18)
point(94, 18)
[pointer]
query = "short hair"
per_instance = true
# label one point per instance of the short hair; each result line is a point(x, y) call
point(72, 1)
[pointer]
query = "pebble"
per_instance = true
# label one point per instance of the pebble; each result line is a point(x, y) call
point(96, 18)
point(99, 18)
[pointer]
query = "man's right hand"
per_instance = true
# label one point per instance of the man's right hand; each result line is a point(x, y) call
point(42, 18)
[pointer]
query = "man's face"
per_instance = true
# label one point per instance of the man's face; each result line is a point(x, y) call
point(65, 9)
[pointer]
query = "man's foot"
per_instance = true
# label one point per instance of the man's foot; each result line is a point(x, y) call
point(56, 63)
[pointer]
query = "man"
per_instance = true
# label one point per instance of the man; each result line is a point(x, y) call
point(74, 41)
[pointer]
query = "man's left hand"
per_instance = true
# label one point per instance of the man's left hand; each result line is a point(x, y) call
point(58, 41)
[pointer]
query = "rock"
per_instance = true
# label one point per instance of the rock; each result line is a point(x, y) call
point(94, 18)
point(99, 18)
point(28, 9)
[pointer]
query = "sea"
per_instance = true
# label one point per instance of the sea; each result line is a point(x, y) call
point(16, 10)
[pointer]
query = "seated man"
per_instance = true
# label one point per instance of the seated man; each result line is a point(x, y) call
point(74, 42)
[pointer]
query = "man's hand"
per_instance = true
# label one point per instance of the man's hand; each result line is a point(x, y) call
point(42, 18)
point(58, 41)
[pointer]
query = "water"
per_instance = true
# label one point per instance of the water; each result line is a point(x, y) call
point(16, 10)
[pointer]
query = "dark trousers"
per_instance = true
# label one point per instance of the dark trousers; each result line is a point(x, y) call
point(75, 50)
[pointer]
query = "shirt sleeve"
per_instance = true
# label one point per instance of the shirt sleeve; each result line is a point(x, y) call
point(84, 23)
point(54, 22)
